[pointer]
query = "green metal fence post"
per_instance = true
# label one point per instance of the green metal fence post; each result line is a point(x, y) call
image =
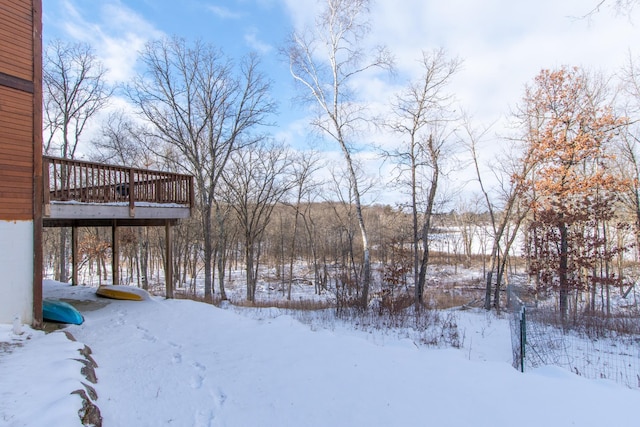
point(523, 337)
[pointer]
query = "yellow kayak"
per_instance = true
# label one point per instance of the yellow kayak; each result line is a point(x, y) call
point(122, 292)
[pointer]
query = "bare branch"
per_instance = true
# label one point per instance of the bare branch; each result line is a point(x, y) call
point(74, 91)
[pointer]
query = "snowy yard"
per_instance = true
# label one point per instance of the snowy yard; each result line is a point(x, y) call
point(184, 363)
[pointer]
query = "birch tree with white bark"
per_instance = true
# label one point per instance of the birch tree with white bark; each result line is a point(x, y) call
point(325, 59)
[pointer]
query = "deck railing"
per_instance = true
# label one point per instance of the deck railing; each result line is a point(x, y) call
point(88, 182)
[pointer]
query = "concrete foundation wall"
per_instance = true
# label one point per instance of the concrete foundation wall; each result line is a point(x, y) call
point(16, 271)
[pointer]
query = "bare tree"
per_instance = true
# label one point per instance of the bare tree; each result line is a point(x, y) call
point(255, 181)
point(324, 60)
point(505, 208)
point(122, 141)
point(468, 221)
point(74, 91)
point(312, 234)
point(617, 7)
point(304, 165)
point(625, 6)
point(620, 6)
point(419, 116)
point(203, 108)
point(629, 147)
point(344, 226)
point(628, 162)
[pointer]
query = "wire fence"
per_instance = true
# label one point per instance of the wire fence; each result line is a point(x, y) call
point(591, 348)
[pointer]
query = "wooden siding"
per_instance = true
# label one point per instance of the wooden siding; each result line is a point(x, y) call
point(16, 39)
point(16, 154)
point(20, 129)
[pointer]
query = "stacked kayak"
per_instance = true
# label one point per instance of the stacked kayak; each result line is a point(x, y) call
point(60, 312)
point(122, 292)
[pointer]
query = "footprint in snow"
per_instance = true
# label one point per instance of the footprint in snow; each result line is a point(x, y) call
point(222, 397)
point(150, 338)
point(121, 318)
point(198, 378)
point(146, 335)
point(199, 367)
point(204, 418)
point(196, 381)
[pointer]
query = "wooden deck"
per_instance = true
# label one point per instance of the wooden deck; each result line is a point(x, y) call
point(87, 194)
point(77, 191)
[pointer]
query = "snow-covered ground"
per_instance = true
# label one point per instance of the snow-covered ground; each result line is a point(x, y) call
point(184, 363)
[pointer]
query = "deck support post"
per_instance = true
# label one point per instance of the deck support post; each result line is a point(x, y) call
point(74, 255)
point(115, 255)
point(168, 267)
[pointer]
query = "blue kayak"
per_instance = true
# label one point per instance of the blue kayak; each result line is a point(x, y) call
point(61, 312)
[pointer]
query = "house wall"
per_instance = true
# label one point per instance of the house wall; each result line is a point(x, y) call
point(20, 161)
point(16, 155)
point(16, 41)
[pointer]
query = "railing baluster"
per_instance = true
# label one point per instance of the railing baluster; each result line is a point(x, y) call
point(46, 191)
point(130, 192)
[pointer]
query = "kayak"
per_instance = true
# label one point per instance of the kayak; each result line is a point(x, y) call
point(61, 312)
point(122, 292)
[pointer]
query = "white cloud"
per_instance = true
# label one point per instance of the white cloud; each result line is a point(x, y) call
point(251, 38)
point(301, 13)
point(224, 13)
point(116, 32)
point(503, 45)
point(121, 48)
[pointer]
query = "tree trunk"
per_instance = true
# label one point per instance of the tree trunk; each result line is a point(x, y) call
point(221, 253)
point(293, 245)
point(563, 279)
point(62, 258)
point(431, 199)
point(417, 270)
point(207, 252)
point(220, 262)
point(489, 285)
point(502, 265)
point(308, 225)
point(99, 272)
point(256, 265)
point(248, 254)
point(366, 267)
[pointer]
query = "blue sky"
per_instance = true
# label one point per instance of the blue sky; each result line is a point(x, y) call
point(118, 29)
point(503, 43)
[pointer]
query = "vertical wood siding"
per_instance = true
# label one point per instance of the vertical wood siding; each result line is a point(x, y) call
point(16, 39)
point(17, 125)
point(16, 155)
